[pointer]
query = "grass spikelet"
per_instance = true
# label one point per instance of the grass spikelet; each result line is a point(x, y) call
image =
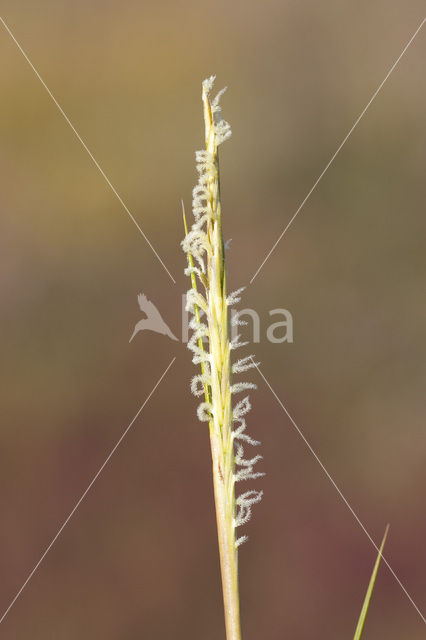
point(208, 301)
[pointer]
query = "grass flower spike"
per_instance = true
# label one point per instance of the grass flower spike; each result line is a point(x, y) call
point(208, 301)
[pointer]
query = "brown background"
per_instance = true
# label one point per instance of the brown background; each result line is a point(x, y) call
point(139, 558)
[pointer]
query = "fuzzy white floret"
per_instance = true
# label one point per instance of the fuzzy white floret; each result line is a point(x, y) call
point(236, 322)
point(240, 460)
point(240, 434)
point(244, 364)
point(205, 165)
point(245, 502)
point(204, 411)
point(234, 297)
point(216, 101)
point(247, 473)
point(189, 270)
point(236, 344)
point(242, 386)
point(239, 541)
point(195, 298)
point(198, 327)
point(198, 384)
point(208, 84)
point(222, 131)
point(200, 356)
point(241, 408)
point(196, 244)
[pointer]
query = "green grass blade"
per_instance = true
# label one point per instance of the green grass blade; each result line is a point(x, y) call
point(196, 309)
point(361, 621)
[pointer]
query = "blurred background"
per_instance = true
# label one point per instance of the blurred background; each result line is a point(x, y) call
point(139, 558)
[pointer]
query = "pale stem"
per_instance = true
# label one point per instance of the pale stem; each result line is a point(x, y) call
point(221, 423)
point(227, 551)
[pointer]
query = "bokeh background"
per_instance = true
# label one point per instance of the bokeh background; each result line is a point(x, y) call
point(139, 557)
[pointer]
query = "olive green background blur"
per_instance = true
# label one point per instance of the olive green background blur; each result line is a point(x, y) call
point(139, 557)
